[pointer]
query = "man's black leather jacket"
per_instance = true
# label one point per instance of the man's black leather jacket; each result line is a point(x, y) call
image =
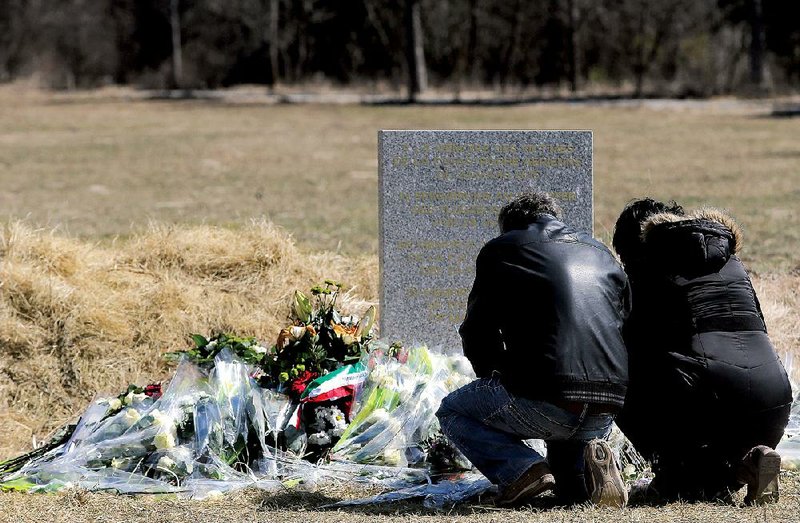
point(546, 313)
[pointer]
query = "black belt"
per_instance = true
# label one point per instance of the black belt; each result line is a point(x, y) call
point(729, 323)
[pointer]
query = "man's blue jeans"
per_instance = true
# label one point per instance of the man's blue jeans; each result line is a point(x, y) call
point(488, 425)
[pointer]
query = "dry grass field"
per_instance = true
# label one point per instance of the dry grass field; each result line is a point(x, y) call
point(294, 507)
point(96, 165)
point(143, 221)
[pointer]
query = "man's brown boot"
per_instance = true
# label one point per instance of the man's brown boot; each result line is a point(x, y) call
point(536, 480)
point(760, 470)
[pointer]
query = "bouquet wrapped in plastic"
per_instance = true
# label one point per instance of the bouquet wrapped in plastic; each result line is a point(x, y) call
point(237, 413)
point(397, 406)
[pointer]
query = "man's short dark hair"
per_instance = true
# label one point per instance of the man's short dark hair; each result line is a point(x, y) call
point(628, 229)
point(523, 210)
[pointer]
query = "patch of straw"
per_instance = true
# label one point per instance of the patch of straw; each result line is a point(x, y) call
point(78, 319)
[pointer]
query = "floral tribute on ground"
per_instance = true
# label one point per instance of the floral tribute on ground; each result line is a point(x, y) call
point(327, 401)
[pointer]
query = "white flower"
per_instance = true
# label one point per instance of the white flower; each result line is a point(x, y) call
point(259, 350)
point(114, 404)
point(319, 438)
point(162, 419)
point(164, 440)
point(132, 398)
point(378, 373)
point(336, 418)
point(213, 494)
point(387, 382)
point(165, 463)
point(131, 416)
point(117, 463)
point(392, 457)
point(332, 417)
point(405, 373)
point(296, 332)
point(321, 413)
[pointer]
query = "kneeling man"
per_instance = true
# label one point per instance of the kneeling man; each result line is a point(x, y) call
point(543, 333)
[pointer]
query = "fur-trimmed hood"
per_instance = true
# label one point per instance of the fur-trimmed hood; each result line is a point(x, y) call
point(699, 241)
point(707, 213)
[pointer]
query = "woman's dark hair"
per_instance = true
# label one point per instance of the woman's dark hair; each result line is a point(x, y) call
point(523, 210)
point(628, 229)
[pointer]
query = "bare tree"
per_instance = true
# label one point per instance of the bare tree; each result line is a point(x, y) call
point(512, 49)
point(472, 39)
point(415, 51)
point(692, 45)
point(274, 13)
point(573, 48)
point(756, 44)
point(655, 22)
point(177, 49)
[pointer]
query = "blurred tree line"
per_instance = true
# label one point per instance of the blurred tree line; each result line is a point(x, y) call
point(667, 47)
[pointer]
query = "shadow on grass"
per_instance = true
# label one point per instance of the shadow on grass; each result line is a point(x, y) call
point(786, 111)
point(323, 502)
point(320, 502)
point(781, 111)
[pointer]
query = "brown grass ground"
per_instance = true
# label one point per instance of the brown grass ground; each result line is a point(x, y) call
point(294, 507)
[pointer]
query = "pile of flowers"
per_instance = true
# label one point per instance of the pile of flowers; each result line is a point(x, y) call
point(318, 341)
point(239, 413)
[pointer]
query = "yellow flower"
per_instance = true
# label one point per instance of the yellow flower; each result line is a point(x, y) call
point(348, 334)
point(283, 338)
point(392, 457)
point(164, 440)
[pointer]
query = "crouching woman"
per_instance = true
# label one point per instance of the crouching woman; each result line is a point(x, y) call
point(708, 397)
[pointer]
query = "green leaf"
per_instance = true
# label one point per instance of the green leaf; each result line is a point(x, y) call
point(302, 307)
point(19, 485)
point(199, 341)
point(366, 323)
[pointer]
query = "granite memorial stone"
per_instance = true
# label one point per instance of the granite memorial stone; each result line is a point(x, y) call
point(440, 192)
